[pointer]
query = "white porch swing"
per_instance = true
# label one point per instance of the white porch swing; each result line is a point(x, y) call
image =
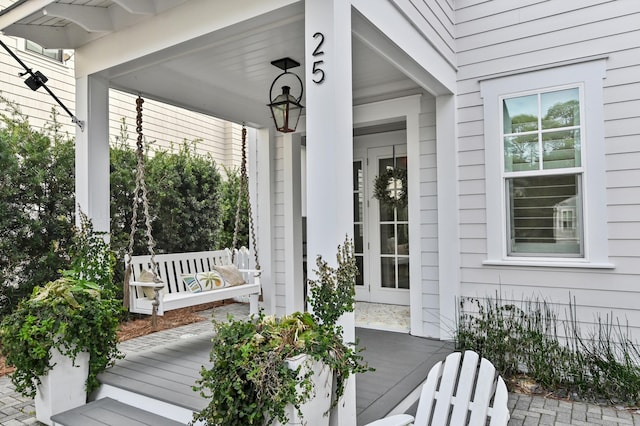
point(155, 283)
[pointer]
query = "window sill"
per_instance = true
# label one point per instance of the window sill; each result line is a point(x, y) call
point(550, 263)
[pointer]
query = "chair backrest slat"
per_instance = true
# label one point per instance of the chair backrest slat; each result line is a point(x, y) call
point(459, 391)
point(464, 392)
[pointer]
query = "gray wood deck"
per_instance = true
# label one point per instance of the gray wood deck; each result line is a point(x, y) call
point(168, 373)
point(107, 411)
point(402, 363)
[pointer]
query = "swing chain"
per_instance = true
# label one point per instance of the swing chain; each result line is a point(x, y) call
point(140, 194)
point(141, 188)
point(244, 192)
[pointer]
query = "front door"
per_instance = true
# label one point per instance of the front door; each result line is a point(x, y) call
point(381, 231)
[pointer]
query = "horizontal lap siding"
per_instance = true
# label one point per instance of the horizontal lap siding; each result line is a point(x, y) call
point(429, 219)
point(278, 227)
point(36, 105)
point(503, 36)
point(434, 20)
point(168, 127)
point(164, 126)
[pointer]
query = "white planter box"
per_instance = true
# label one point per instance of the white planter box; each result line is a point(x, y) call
point(313, 411)
point(63, 388)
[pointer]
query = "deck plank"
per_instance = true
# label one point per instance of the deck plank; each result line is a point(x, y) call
point(107, 411)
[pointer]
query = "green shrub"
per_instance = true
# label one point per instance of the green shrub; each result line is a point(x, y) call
point(36, 204)
point(530, 338)
point(190, 204)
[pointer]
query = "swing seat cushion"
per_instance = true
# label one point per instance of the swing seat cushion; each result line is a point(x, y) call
point(204, 281)
point(231, 274)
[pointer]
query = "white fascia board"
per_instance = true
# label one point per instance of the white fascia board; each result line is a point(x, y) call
point(188, 21)
point(390, 22)
point(25, 9)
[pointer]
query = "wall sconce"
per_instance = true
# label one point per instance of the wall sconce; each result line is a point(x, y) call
point(285, 108)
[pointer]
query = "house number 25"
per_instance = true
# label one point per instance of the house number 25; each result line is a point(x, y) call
point(317, 70)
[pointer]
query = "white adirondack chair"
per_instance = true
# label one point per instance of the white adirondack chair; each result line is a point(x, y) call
point(480, 395)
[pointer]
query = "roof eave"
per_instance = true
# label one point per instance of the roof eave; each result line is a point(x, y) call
point(20, 10)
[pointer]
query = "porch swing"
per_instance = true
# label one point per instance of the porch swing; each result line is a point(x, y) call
point(156, 283)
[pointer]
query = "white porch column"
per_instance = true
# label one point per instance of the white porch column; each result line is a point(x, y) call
point(293, 224)
point(329, 123)
point(92, 151)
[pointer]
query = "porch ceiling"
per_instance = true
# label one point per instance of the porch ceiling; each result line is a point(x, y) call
point(226, 73)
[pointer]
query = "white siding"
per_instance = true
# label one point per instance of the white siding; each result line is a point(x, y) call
point(164, 126)
point(278, 247)
point(429, 218)
point(505, 36)
point(435, 20)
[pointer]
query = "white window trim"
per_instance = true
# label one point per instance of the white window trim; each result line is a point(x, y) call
point(589, 75)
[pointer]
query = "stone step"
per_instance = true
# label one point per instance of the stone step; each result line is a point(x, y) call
point(109, 412)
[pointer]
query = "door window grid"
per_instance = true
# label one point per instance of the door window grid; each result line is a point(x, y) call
point(358, 219)
point(394, 237)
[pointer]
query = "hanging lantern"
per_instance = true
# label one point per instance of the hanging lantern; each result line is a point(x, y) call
point(285, 108)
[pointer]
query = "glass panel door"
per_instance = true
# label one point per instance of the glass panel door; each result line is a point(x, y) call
point(359, 222)
point(389, 226)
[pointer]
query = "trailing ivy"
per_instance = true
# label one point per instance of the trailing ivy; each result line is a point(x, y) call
point(73, 314)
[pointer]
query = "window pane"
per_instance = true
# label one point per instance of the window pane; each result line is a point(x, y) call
point(388, 272)
point(387, 239)
point(403, 239)
point(51, 53)
point(358, 239)
point(520, 114)
point(545, 215)
point(403, 272)
point(560, 108)
point(358, 207)
point(561, 149)
point(357, 175)
point(521, 153)
point(360, 266)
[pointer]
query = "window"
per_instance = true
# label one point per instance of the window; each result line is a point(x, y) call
point(542, 172)
point(545, 166)
point(55, 54)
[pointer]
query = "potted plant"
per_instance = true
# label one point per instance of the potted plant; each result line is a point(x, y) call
point(65, 329)
point(268, 370)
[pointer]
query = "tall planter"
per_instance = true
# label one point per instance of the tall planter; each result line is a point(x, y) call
point(63, 387)
point(316, 410)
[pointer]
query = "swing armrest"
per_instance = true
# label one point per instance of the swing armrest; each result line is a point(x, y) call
point(145, 284)
point(249, 271)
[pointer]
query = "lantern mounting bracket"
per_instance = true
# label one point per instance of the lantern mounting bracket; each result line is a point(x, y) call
point(285, 63)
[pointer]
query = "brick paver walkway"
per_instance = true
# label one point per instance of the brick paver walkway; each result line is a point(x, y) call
point(526, 410)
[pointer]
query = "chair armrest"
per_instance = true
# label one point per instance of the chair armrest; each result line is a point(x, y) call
point(397, 420)
point(145, 284)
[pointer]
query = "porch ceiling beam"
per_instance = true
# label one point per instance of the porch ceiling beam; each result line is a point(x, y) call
point(92, 19)
point(137, 7)
point(12, 15)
